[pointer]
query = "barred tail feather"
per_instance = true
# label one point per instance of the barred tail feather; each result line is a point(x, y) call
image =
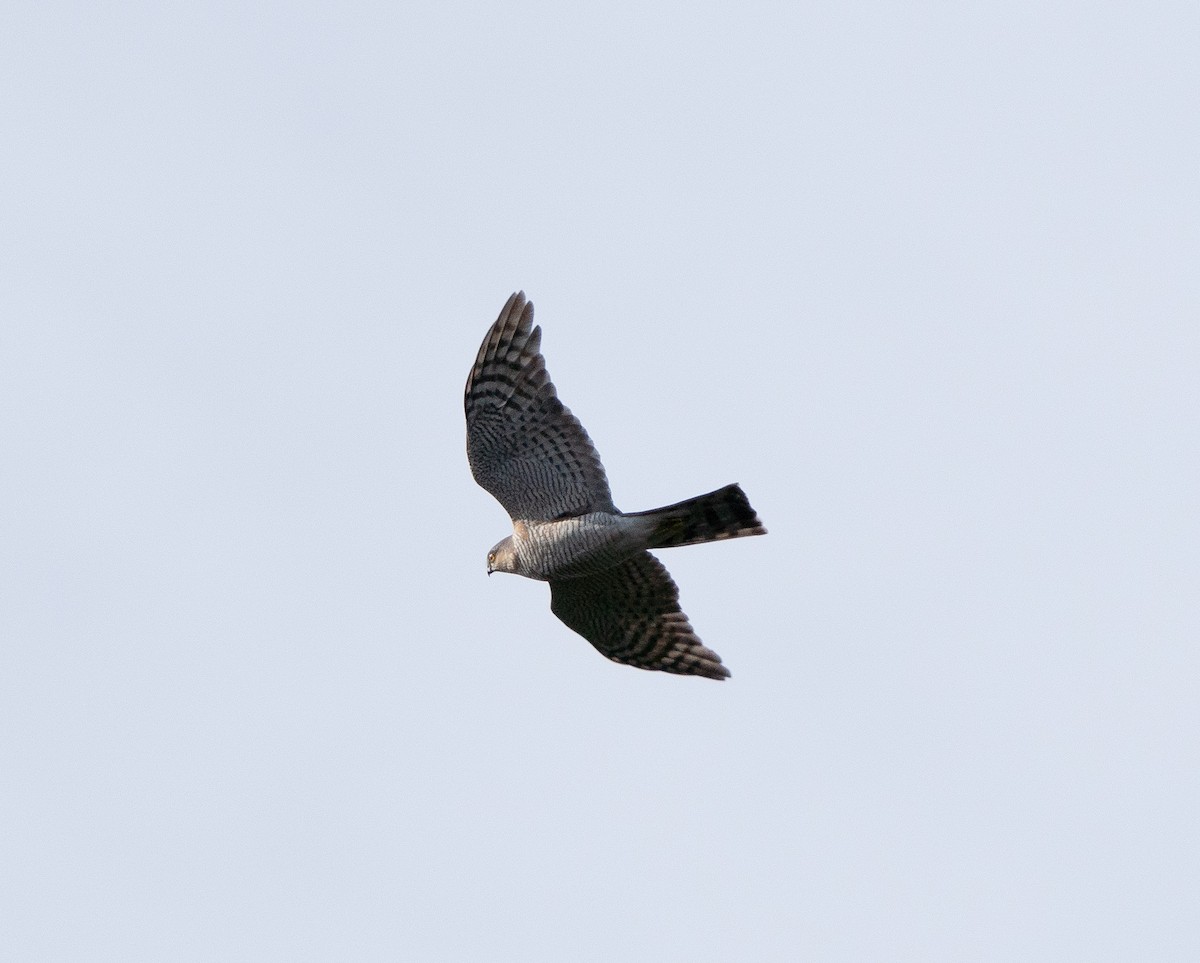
point(725, 513)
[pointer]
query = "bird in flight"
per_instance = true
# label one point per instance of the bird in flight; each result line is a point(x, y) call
point(533, 455)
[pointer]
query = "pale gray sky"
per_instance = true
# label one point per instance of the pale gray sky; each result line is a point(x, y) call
point(922, 277)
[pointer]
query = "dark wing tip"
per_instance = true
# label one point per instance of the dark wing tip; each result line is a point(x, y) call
point(521, 305)
point(707, 665)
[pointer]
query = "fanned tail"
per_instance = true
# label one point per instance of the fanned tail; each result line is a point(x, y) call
point(725, 513)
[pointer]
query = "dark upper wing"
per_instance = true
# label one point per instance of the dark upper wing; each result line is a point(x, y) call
point(524, 445)
point(631, 614)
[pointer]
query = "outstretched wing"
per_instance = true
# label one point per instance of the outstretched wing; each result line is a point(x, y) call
point(631, 614)
point(524, 445)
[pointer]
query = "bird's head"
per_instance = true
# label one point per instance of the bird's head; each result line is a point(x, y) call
point(502, 557)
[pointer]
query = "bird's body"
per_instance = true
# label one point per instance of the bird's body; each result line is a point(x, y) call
point(533, 455)
point(568, 547)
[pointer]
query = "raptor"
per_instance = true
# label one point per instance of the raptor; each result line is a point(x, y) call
point(533, 455)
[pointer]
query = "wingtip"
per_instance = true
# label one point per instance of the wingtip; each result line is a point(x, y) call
point(711, 667)
point(517, 303)
point(520, 306)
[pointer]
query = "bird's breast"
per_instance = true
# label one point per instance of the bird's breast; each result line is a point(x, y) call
point(571, 547)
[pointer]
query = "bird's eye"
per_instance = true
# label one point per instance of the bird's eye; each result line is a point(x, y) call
point(491, 557)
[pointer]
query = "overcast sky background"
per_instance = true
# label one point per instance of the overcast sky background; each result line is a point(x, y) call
point(923, 277)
